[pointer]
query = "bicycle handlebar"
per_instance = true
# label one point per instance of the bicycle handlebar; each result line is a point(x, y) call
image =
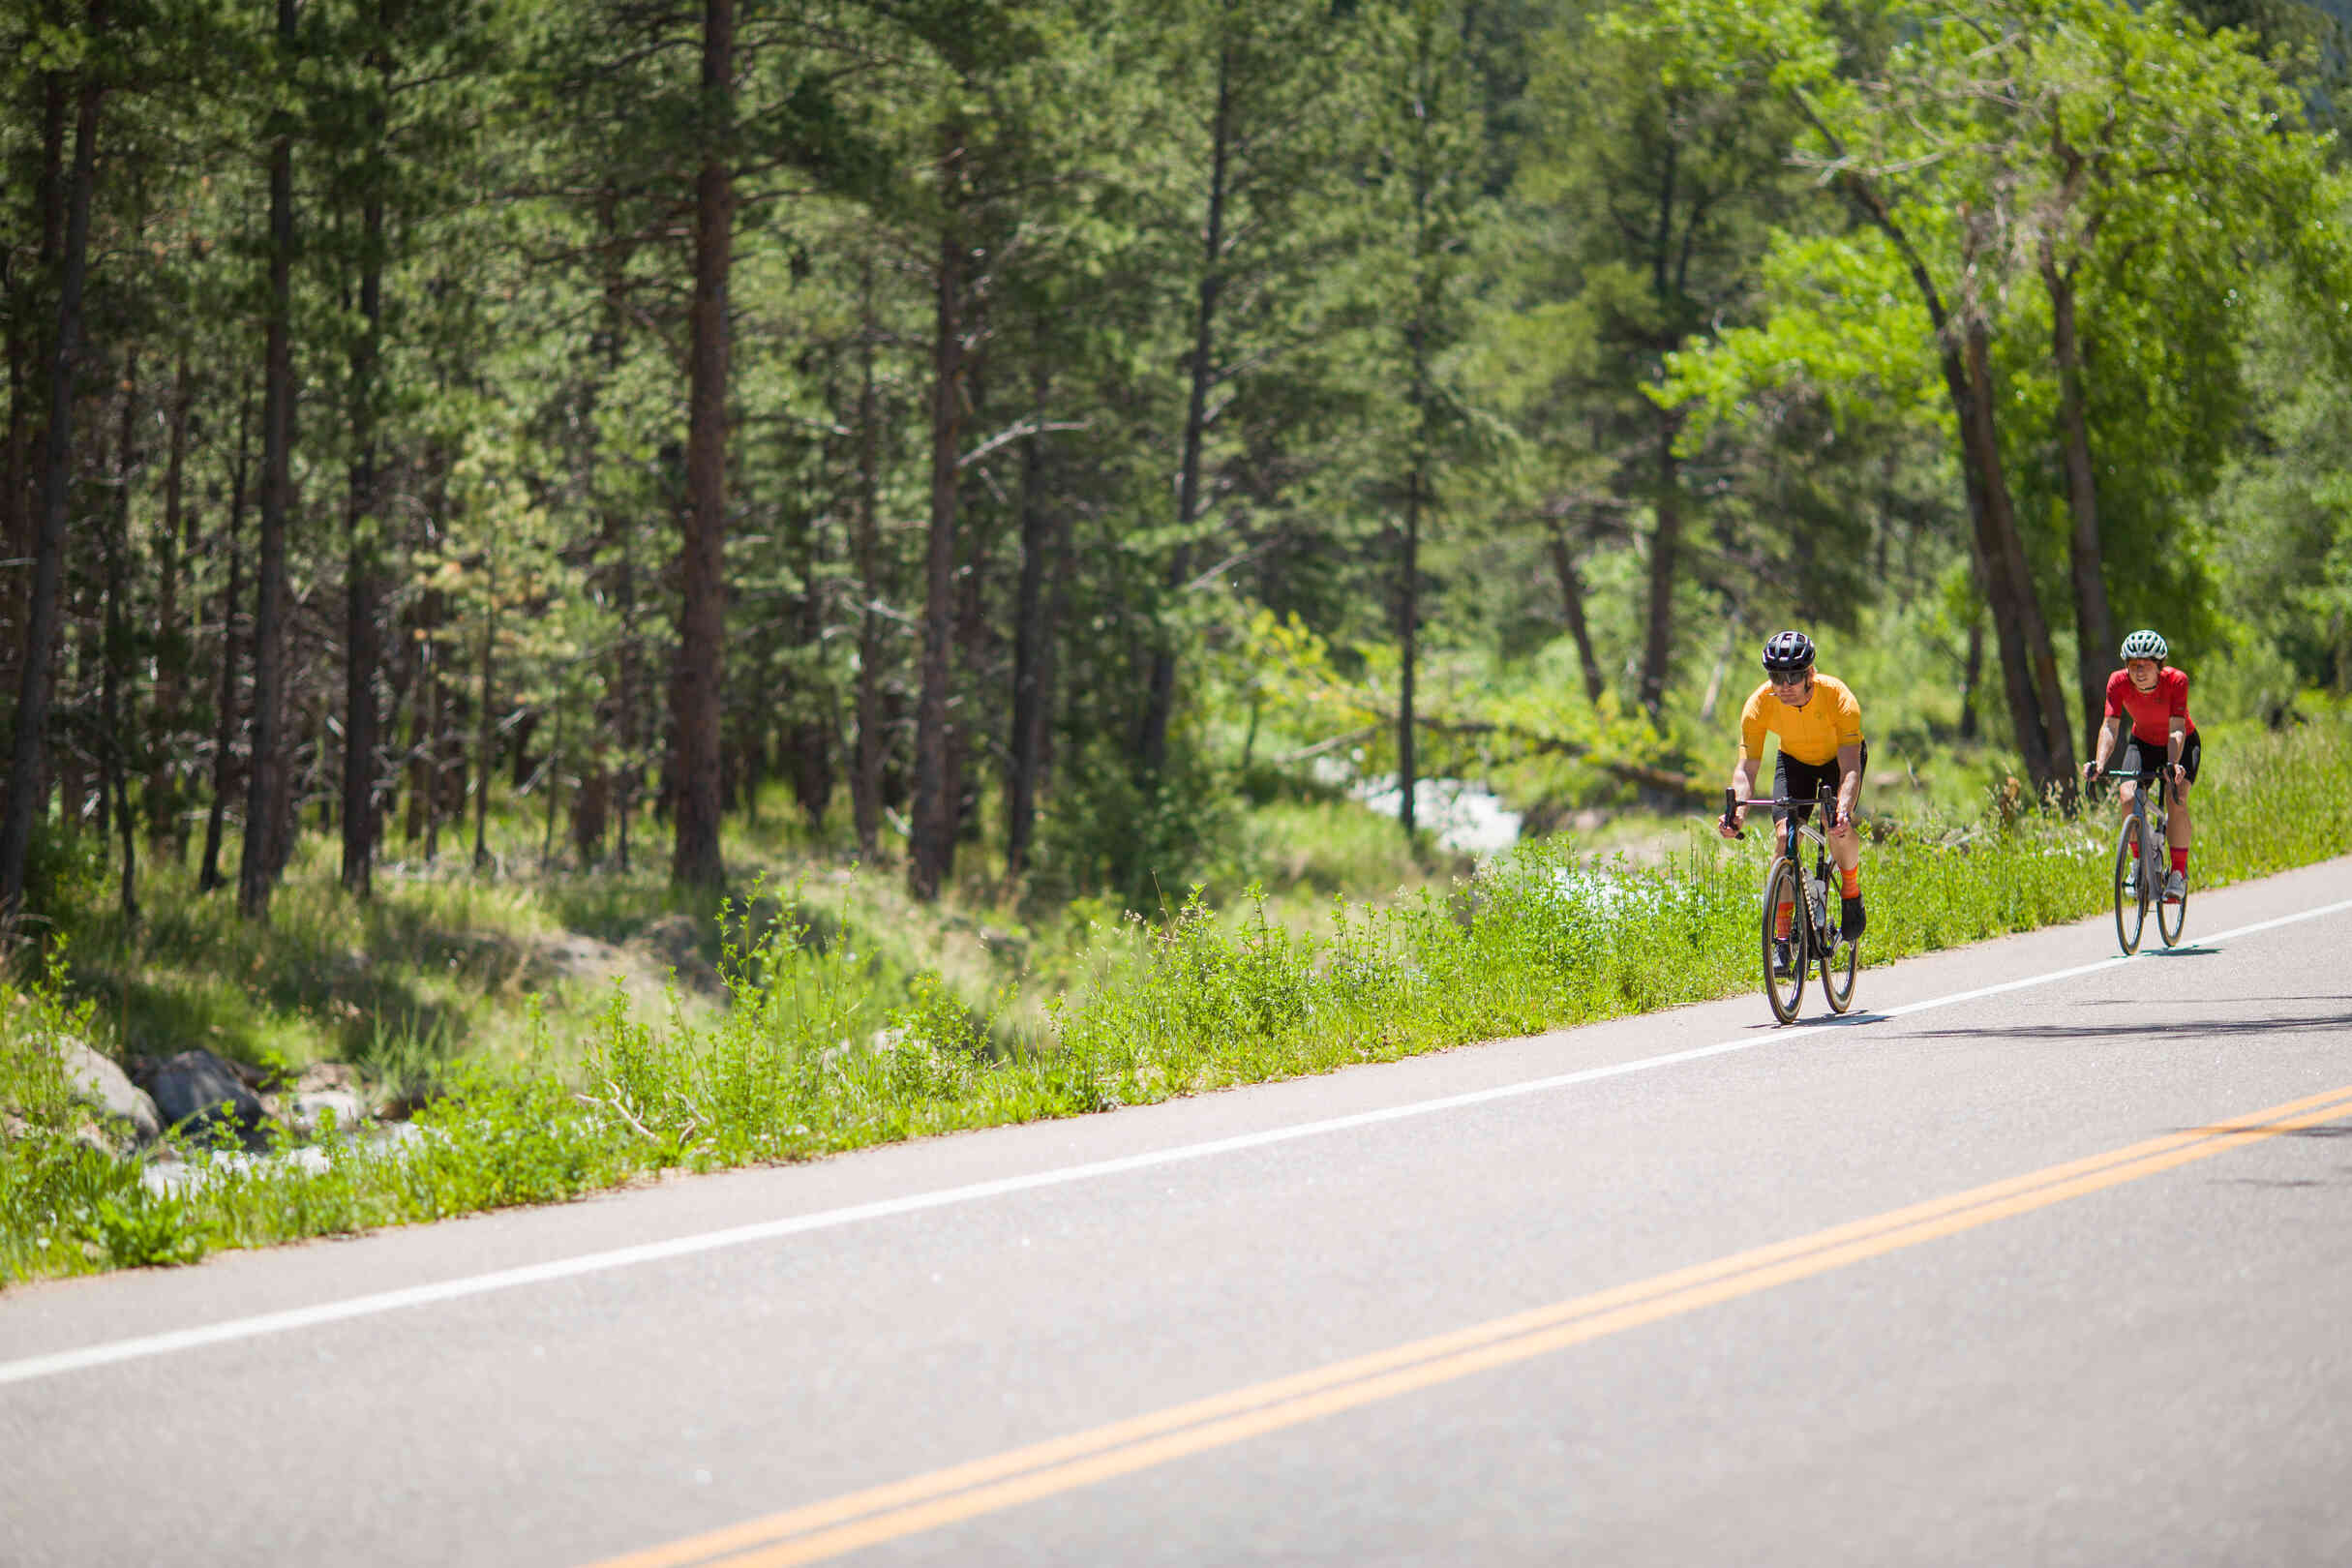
point(1827, 799)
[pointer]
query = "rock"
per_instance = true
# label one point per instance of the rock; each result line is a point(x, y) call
point(308, 1110)
point(98, 1083)
point(196, 1091)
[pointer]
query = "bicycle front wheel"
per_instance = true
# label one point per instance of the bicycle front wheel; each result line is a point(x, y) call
point(2130, 889)
point(1838, 964)
point(2171, 917)
point(1784, 992)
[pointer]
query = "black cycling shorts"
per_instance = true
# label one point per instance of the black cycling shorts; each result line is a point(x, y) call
point(1797, 780)
point(2145, 758)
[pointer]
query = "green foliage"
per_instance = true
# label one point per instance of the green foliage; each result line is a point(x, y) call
point(1139, 837)
point(813, 1057)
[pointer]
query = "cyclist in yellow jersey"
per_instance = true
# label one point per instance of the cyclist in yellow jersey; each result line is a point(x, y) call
point(1820, 726)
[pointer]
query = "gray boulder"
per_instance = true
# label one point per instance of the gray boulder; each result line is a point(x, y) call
point(197, 1091)
point(108, 1090)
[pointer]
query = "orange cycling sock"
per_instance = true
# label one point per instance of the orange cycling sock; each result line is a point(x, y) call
point(1854, 883)
point(1780, 921)
point(2180, 861)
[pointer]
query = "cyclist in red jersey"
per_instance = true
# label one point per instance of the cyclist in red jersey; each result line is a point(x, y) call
point(2154, 696)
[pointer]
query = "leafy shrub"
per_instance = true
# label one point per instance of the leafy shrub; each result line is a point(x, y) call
point(1140, 839)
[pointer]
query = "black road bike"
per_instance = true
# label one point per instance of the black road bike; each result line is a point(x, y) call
point(2139, 879)
point(1813, 937)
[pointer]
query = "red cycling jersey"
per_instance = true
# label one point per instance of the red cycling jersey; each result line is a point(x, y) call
point(2152, 711)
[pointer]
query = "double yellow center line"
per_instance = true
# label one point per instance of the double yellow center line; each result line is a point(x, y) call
point(927, 1502)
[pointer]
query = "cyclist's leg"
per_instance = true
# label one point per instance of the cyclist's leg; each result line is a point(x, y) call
point(2182, 833)
point(1846, 853)
point(2180, 828)
point(1784, 842)
point(2130, 764)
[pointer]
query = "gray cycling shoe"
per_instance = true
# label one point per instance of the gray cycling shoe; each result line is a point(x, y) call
point(1784, 963)
point(2176, 886)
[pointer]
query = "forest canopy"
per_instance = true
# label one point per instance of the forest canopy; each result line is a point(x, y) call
point(1020, 426)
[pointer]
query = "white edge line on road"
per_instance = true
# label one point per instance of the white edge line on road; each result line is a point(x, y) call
point(30, 1368)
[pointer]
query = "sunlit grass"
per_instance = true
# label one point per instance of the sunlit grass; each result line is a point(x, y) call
point(857, 1019)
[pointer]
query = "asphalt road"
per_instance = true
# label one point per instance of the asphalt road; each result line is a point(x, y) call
point(2046, 1260)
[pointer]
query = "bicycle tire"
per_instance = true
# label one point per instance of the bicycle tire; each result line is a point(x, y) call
point(1781, 879)
point(2171, 917)
point(2130, 891)
point(1840, 959)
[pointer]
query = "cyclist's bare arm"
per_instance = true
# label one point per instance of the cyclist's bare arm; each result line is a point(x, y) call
point(2173, 742)
point(1850, 782)
point(2106, 744)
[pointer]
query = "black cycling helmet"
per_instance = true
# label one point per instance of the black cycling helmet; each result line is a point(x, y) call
point(1788, 652)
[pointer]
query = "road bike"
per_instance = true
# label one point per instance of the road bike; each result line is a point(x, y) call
point(2139, 877)
point(1812, 936)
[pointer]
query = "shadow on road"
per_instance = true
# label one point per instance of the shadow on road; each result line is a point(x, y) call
point(2184, 1027)
point(2210, 1001)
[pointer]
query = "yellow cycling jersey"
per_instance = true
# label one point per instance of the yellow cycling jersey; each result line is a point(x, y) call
point(1812, 734)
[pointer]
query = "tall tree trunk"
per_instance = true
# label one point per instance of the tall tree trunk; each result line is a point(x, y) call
point(1665, 559)
point(977, 529)
point(1408, 635)
point(225, 728)
point(866, 780)
point(16, 506)
point(165, 826)
point(362, 645)
point(21, 508)
point(97, 630)
point(931, 855)
point(42, 620)
point(2017, 614)
point(485, 727)
point(1159, 696)
point(114, 676)
point(2029, 667)
point(267, 791)
point(630, 774)
point(1572, 609)
point(696, 696)
point(1032, 633)
point(425, 800)
point(1666, 532)
point(2093, 623)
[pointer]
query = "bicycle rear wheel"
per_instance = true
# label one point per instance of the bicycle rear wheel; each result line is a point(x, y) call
point(1784, 992)
point(2130, 889)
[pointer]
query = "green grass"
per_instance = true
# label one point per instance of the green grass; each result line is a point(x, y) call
point(850, 1023)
